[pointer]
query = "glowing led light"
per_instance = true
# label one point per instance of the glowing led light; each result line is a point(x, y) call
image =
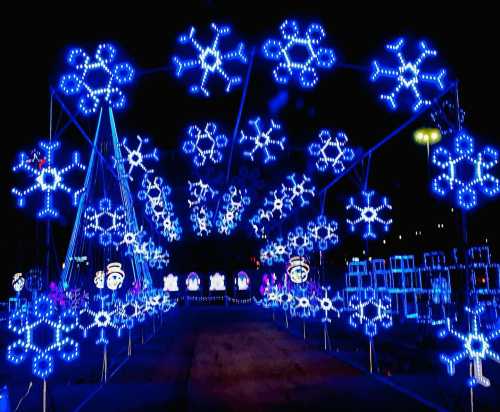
point(263, 140)
point(299, 241)
point(135, 158)
point(242, 281)
point(325, 304)
point(101, 317)
point(477, 346)
point(302, 306)
point(48, 178)
point(18, 282)
point(42, 315)
point(427, 136)
point(322, 232)
point(170, 283)
point(114, 276)
point(299, 55)
point(331, 152)
point(193, 282)
point(217, 282)
point(370, 312)
point(106, 221)
point(234, 202)
point(299, 189)
point(277, 203)
point(131, 240)
point(96, 80)
point(369, 214)
point(297, 269)
point(465, 171)
point(205, 144)
point(408, 76)
point(210, 60)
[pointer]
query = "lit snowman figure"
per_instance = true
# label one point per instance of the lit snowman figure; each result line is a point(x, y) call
point(99, 279)
point(18, 282)
point(170, 283)
point(242, 281)
point(193, 282)
point(298, 269)
point(217, 282)
point(114, 276)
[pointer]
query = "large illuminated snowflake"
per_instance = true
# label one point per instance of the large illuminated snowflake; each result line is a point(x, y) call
point(135, 157)
point(369, 214)
point(263, 140)
point(477, 346)
point(370, 312)
point(105, 221)
point(234, 202)
point(408, 75)
point(299, 55)
point(205, 144)
point(323, 232)
point(210, 60)
point(41, 332)
point(332, 152)
point(465, 171)
point(299, 190)
point(48, 178)
point(299, 241)
point(96, 80)
point(101, 317)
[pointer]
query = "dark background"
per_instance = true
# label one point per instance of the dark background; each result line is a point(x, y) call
point(160, 107)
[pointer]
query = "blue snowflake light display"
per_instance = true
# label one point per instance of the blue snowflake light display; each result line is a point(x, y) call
point(299, 55)
point(323, 232)
point(325, 304)
point(303, 305)
point(200, 192)
point(263, 140)
point(465, 171)
point(135, 158)
point(299, 189)
point(408, 76)
point(210, 60)
point(369, 214)
point(280, 250)
point(96, 80)
point(101, 317)
point(331, 152)
point(155, 255)
point(205, 144)
point(48, 178)
point(42, 318)
point(234, 202)
point(131, 240)
point(267, 254)
point(276, 204)
point(105, 221)
point(477, 346)
point(201, 217)
point(370, 312)
point(299, 241)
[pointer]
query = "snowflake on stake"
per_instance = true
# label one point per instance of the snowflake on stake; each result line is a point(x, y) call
point(106, 221)
point(205, 144)
point(299, 55)
point(48, 179)
point(369, 311)
point(299, 190)
point(477, 346)
point(465, 171)
point(331, 151)
point(135, 157)
point(101, 317)
point(263, 140)
point(408, 75)
point(369, 214)
point(322, 232)
point(96, 80)
point(210, 60)
point(299, 241)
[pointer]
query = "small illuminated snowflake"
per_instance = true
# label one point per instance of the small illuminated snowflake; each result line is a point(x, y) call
point(299, 241)
point(263, 140)
point(200, 192)
point(322, 232)
point(408, 75)
point(106, 221)
point(332, 152)
point(210, 60)
point(477, 346)
point(370, 312)
point(257, 223)
point(303, 305)
point(100, 317)
point(201, 218)
point(96, 80)
point(205, 144)
point(299, 55)
point(267, 254)
point(48, 178)
point(281, 250)
point(155, 255)
point(234, 203)
point(40, 323)
point(130, 240)
point(325, 304)
point(299, 190)
point(277, 204)
point(369, 214)
point(135, 157)
point(465, 171)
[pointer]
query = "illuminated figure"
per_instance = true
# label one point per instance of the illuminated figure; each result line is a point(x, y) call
point(298, 269)
point(170, 283)
point(217, 282)
point(114, 276)
point(193, 282)
point(370, 312)
point(242, 281)
point(18, 282)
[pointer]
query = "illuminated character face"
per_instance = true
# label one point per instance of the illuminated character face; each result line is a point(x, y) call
point(217, 282)
point(115, 276)
point(18, 282)
point(243, 281)
point(170, 283)
point(99, 279)
point(298, 269)
point(193, 282)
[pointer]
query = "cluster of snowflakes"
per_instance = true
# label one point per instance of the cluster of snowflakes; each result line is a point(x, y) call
point(201, 194)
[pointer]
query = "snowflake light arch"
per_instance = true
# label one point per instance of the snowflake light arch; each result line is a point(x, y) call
point(205, 144)
point(135, 158)
point(323, 232)
point(43, 314)
point(299, 55)
point(210, 60)
point(477, 346)
point(263, 140)
point(408, 75)
point(465, 171)
point(370, 312)
point(96, 80)
point(369, 214)
point(49, 179)
point(105, 221)
point(331, 152)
